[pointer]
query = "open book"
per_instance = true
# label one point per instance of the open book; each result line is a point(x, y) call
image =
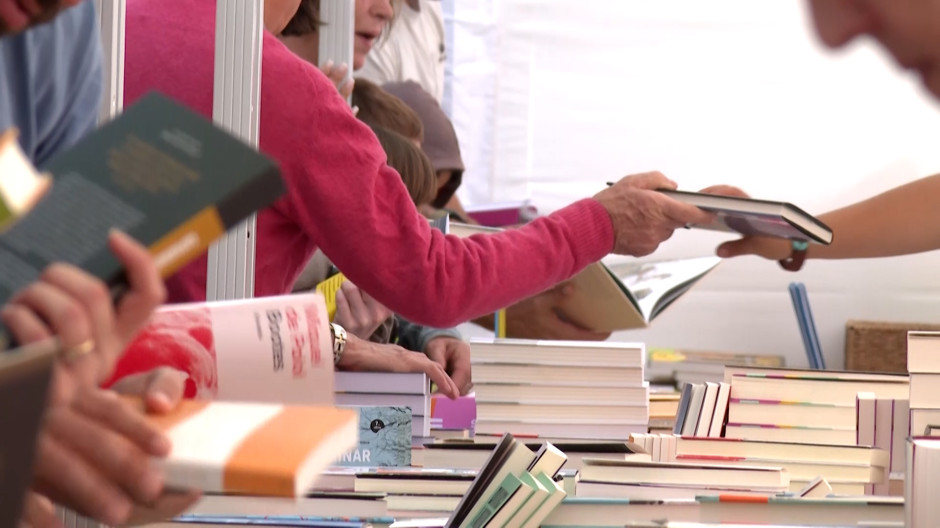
point(631, 295)
point(620, 297)
point(749, 216)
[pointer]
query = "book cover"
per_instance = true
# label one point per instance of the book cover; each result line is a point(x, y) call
point(251, 448)
point(460, 413)
point(384, 438)
point(159, 172)
point(274, 349)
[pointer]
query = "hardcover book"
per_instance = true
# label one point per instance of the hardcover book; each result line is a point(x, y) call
point(749, 216)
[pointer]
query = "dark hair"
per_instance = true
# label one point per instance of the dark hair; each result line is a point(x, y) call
point(412, 165)
point(306, 20)
point(380, 108)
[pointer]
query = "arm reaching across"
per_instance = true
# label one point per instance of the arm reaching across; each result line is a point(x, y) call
point(900, 221)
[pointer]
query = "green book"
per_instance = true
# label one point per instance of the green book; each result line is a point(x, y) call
point(163, 174)
point(527, 506)
point(495, 501)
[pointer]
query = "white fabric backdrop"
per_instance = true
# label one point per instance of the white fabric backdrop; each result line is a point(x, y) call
point(552, 98)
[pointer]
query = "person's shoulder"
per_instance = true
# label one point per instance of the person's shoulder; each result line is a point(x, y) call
point(285, 72)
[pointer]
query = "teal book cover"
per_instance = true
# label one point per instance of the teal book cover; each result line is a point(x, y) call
point(384, 438)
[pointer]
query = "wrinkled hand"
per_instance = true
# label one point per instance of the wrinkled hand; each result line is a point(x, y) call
point(71, 304)
point(767, 247)
point(358, 312)
point(540, 317)
point(337, 74)
point(643, 218)
point(94, 454)
point(454, 356)
point(366, 356)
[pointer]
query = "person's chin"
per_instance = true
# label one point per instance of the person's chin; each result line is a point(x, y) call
point(359, 60)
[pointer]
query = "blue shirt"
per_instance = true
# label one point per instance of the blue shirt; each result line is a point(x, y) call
point(51, 82)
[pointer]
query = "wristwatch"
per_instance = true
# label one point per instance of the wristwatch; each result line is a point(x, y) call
point(797, 255)
point(339, 342)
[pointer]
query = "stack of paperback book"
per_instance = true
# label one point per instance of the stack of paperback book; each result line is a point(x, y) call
point(389, 389)
point(559, 389)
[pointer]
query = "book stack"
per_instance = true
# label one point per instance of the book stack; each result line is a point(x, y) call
point(848, 470)
point(885, 424)
point(473, 453)
point(703, 408)
point(559, 389)
point(923, 364)
point(636, 480)
point(664, 405)
point(922, 509)
point(803, 406)
point(680, 366)
point(416, 492)
point(395, 389)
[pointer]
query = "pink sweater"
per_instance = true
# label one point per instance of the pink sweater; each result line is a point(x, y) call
point(341, 195)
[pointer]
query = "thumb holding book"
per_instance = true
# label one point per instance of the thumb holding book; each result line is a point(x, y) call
point(643, 218)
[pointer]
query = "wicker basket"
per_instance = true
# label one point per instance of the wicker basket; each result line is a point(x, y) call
point(876, 346)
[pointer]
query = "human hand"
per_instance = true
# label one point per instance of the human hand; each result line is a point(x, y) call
point(71, 304)
point(337, 74)
point(358, 312)
point(94, 454)
point(767, 247)
point(540, 317)
point(366, 356)
point(454, 355)
point(643, 218)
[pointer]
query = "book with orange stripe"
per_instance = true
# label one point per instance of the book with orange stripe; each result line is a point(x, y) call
point(253, 448)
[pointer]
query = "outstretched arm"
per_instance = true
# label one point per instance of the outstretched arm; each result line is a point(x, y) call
point(900, 221)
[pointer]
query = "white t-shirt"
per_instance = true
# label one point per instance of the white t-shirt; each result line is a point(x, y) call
point(412, 51)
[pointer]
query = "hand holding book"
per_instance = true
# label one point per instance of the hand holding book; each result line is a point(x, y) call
point(74, 306)
point(643, 218)
point(105, 447)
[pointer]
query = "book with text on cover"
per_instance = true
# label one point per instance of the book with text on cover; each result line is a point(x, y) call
point(159, 172)
point(750, 216)
point(274, 349)
point(251, 448)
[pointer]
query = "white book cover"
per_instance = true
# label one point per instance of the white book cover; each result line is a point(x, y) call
point(266, 349)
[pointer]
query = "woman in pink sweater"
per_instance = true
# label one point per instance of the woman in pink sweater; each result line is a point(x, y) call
point(344, 199)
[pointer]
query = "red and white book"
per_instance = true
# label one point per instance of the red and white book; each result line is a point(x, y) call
point(266, 349)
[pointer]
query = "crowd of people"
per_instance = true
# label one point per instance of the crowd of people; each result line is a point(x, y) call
point(361, 182)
